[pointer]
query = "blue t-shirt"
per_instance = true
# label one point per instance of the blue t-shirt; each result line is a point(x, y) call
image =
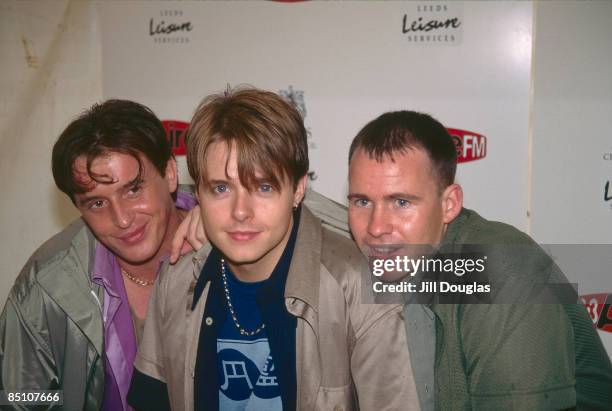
point(246, 373)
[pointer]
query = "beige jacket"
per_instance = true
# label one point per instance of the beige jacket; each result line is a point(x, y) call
point(349, 355)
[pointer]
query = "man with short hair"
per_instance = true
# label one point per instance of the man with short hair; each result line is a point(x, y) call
point(486, 356)
point(269, 315)
point(402, 192)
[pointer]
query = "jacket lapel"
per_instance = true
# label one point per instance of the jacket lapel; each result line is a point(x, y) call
point(304, 271)
point(70, 286)
point(302, 300)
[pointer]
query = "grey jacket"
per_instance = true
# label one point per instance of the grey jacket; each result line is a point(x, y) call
point(346, 351)
point(51, 326)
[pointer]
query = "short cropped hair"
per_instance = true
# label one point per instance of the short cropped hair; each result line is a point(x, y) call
point(266, 131)
point(399, 131)
point(114, 126)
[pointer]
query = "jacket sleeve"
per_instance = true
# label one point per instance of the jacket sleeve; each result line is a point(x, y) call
point(380, 360)
point(593, 368)
point(518, 356)
point(148, 390)
point(26, 361)
point(379, 356)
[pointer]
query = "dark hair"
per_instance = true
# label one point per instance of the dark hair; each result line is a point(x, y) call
point(398, 131)
point(114, 126)
point(268, 133)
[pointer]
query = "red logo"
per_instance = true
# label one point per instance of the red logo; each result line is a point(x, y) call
point(175, 133)
point(599, 307)
point(470, 146)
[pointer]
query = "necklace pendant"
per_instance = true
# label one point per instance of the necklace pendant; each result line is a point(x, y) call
point(231, 307)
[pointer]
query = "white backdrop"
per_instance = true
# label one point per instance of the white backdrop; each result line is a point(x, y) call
point(352, 62)
point(572, 145)
point(546, 118)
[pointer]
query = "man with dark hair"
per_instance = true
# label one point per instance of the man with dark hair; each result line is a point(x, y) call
point(74, 316)
point(269, 315)
point(76, 312)
point(486, 356)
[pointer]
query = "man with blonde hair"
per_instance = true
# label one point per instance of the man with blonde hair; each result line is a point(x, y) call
point(268, 315)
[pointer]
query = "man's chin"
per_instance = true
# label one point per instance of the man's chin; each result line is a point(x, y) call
point(136, 256)
point(243, 259)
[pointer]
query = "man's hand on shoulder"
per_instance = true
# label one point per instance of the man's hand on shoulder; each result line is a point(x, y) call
point(189, 235)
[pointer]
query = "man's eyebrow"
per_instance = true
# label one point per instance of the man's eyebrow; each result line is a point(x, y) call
point(136, 181)
point(216, 181)
point(353, 196)
point(405, 196)
point(210, 184)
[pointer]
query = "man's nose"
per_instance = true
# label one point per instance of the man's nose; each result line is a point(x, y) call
point(122, 215)
point(242, 208)
point(379, 223)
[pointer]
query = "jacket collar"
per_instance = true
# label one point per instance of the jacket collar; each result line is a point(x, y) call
point(70, 286)
point(455, 227)
point(304, 272)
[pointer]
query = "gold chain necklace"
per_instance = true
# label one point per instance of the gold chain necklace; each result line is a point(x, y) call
point(231, 307)
point(137, 280)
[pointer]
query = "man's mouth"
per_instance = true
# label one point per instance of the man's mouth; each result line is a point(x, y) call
point(382, 250)
point(134, 236)
point(243, 235)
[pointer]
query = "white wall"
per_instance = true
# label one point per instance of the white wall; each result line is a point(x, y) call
point(50, 71)
point(572, 126)
point(572, 130)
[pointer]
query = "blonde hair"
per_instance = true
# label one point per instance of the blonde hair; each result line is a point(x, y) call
point(266, 131)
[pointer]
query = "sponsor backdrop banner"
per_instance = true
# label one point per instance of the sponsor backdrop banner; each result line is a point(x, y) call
point(572, 147)
point(343, 63)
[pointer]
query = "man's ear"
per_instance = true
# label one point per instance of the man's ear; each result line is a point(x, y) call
point(452, 202)
point(171, 175)
point(300, 190)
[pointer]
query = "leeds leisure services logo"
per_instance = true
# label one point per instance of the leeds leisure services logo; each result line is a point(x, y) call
point(607, 192)
point(434, 23)
point(170, 27)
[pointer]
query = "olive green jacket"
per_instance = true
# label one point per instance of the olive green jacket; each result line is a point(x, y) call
point(516, 356)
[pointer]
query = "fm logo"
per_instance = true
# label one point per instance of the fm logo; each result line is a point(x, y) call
point(470, 146)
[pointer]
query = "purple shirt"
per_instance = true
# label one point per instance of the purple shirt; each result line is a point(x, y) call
point(119, 338)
